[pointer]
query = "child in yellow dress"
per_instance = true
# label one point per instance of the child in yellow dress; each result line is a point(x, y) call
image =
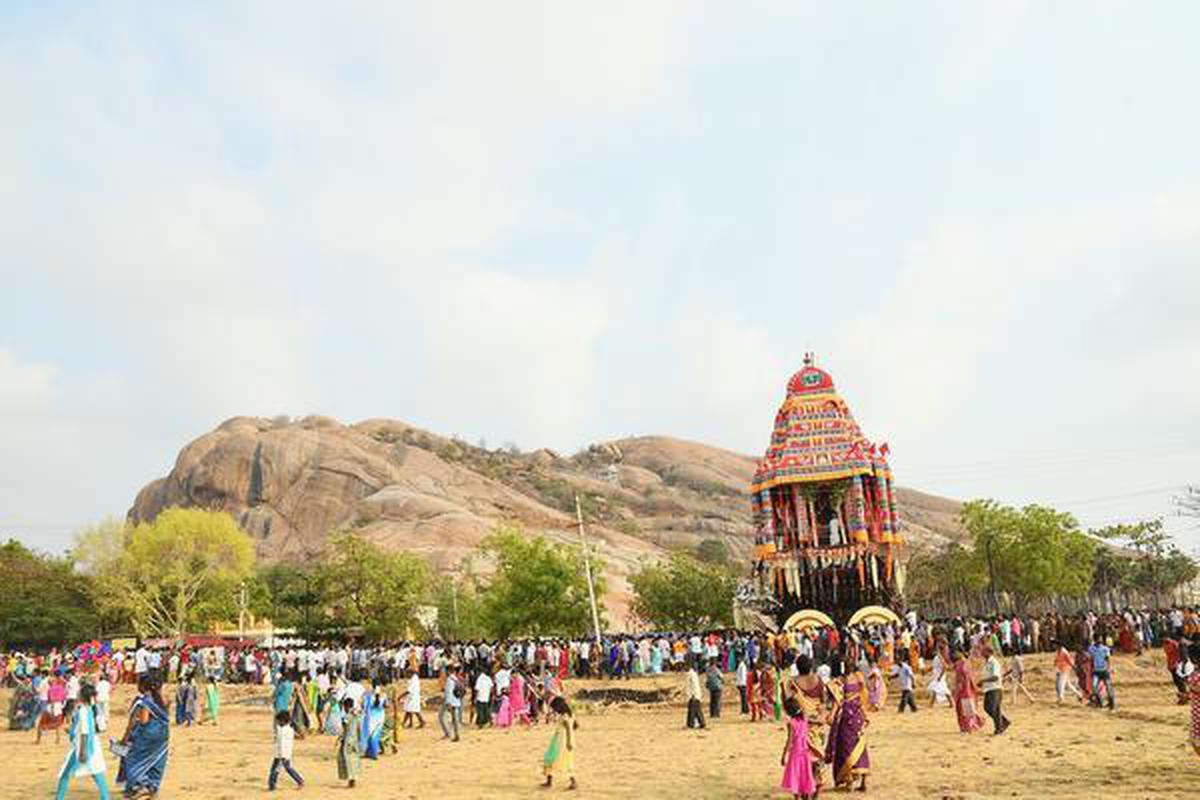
point(560, 755)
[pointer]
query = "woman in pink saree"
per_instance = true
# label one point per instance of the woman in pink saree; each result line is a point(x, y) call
point(520, 708)
point(964, 695)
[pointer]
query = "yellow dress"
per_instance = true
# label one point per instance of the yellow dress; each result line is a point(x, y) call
point(560, 755)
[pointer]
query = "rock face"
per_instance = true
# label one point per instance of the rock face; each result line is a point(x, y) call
point(291, 483)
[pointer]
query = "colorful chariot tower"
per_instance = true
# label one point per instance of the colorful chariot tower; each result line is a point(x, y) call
point(824, 507)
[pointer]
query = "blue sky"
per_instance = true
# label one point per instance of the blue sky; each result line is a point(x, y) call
point(553, 223)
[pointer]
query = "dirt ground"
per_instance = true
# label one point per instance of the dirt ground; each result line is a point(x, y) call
point(629, 750)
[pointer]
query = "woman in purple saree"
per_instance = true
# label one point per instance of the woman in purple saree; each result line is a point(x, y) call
point(846, 749)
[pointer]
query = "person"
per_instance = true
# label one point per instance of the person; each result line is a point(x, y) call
point(212, 699)
point(86, 756)
point(964, 695)
point(1016, 668)
point(1064, 669)
point(349, 754)
point(846, 750)
point(412, 702)
point(691, 691)
point(282, 696)
point(504, 716)
point(835, 531)
point(483, 699)
point(1101, 673)
point(100, 706)
point(810, 696)
point(146, 740)
point(740, 680)
point(714, 683)
point(54, 710)
point(938, 687)
point(560, 754)
point(752, 692)
point(1193, 684)
point(876, 688)
point(374, 716)
point(908, 680)
point(185, 702)
point(993, 691)
point(1176, 656)
point(285, 736)
point(766, 691)
point(518, 700)
point(451, 705)
point(796, 758)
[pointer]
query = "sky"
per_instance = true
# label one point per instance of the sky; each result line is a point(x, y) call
point(554, 223)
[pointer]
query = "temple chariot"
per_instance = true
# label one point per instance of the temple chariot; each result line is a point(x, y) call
point(824, 509)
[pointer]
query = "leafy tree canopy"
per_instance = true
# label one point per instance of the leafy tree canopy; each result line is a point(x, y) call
point(43, 601)
point(538, 588)
point(684, 593)
point(173, 575)
point(374, 589)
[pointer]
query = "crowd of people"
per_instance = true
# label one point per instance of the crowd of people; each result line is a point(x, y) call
point(824, 680)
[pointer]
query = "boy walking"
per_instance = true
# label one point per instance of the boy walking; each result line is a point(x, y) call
point(907, 682)
point(284, 739)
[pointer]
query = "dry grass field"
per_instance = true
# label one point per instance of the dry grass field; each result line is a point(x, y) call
point(643, 751)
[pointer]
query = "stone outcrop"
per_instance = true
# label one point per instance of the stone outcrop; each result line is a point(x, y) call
point(290, 484)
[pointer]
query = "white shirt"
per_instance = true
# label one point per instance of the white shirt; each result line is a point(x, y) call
point(483, 688)
point(355, 692)
point(103, 690)
point(141, 660)
point(503, 677)
point(412, 703)
point(284, 738)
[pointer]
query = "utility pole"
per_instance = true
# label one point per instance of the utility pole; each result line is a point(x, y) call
point(587, 568)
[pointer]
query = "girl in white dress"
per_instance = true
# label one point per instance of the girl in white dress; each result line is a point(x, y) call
point(86, 757)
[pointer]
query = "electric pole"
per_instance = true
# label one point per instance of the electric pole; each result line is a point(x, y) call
point(587, 568)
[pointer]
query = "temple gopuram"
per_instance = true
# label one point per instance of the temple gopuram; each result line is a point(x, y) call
point(824, 508)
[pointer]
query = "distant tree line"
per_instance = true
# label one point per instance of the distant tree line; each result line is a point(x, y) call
point(1017, 559)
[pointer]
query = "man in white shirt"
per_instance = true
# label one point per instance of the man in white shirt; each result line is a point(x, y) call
point(103, 695)
point(691, 690)
point(740, 681)
point(993, 693)
point(284, 742)
point(141, 661)
point(503, 679)
point(412, 701)
point(483, 699)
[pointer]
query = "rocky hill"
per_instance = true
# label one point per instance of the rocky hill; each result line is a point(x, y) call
point(290, 483)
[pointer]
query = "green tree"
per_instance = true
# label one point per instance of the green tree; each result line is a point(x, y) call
point(376, 590)
point(1035, 552)
point(459, 608)
point(538, 588)
point(177, 573)
point(713, 551)
point(684, 593)
point(953, 575)
point(292, 596)
point(43, 601)
point(96, 552)
point(1160, 565)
